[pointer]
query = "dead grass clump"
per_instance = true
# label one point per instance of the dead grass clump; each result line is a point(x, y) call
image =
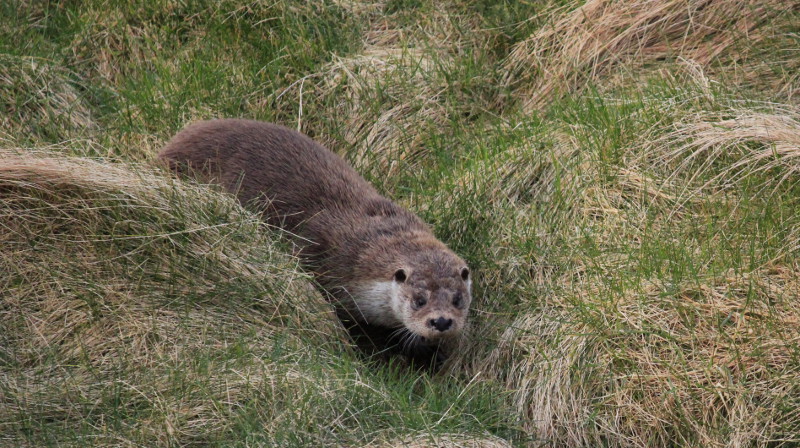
point(167, 299)
point(548, 380)
point(710, 364)
point(411, 110)
point(40, 101)
point(386, 101)
point(745, 142)
point(592, 40)
point(774, 71)
point(443, 441)
point(361, 7)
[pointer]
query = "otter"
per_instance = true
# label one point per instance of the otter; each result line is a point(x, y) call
point(391, 281)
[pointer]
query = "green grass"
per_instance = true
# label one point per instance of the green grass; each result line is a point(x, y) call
point(629, 211)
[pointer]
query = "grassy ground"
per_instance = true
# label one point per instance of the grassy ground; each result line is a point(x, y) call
point(621, 176)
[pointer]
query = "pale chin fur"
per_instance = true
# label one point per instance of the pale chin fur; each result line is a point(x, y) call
point(378, 303)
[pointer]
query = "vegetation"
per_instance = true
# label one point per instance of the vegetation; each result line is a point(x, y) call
point(622, 176)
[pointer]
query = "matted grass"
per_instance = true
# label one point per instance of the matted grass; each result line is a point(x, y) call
point(583, 44)
point(621, 176)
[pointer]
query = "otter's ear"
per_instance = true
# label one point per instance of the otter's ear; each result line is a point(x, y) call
point(464, 274)
point(400, 275)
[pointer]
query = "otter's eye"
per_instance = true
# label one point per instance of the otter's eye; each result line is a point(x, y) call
point(420, 301)
point(465, 274)
point(400, 275)
point(457, 299)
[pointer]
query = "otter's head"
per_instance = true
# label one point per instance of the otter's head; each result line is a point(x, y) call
point(431, 296)
point(417, 285)
point(428, 290)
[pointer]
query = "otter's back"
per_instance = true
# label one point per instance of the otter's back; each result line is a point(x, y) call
point(259, 161)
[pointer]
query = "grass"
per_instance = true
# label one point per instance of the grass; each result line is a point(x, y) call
point(622, 178)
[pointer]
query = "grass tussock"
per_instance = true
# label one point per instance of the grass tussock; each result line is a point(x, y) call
point(656, 266)
point(708, 364)
point(584, 43)
point(417, 72)
point(755, 142)
point(108, 270)
point(645, 316)
point(394, 133)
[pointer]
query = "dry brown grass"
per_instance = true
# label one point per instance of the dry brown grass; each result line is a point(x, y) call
point(109, 270)
point(604, 357)
point(753, 143)
point(407, 82)
point(394, 133)
point(386, 100)
point(443, 441)
point(720, 364)
point(585, 43)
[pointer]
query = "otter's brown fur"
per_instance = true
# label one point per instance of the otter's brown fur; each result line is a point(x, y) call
point(377, 259)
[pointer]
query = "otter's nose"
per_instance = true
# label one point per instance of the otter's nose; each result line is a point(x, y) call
point(441, 323)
